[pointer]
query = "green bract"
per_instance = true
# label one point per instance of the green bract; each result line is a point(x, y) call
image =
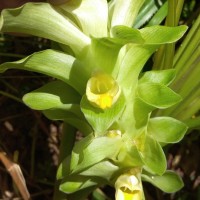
point(102, 41)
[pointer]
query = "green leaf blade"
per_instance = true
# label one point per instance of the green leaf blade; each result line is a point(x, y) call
point(153, 156)
point(42, 20)
point(157, 95)
point(99, 119)
point(104, 169)
point(55, 64)
point(164, 77)
point(75, 183)
point(51, 95)
point(169, 182)
point(166, 129)
point(128, 34)
point(98, 149)
point(162, 34)
point(125, 13)
point(92, 17)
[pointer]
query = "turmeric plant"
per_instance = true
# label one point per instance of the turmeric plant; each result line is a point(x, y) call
point(100, 89)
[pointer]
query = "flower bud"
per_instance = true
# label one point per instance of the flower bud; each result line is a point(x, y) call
point(113, 133)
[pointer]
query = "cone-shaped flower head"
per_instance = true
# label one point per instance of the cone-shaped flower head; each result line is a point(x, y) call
point(128, 187)
point(102, 90)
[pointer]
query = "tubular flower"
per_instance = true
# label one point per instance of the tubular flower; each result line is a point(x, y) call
point(102, 90)
point(128, 187)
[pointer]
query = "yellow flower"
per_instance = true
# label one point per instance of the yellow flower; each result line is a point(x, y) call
point(128, 187)
point(102, 90)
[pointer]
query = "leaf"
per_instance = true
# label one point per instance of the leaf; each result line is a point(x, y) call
point(141, 112)
point(164, 77)
point(162, 34)
point(98, 195)
point(64, 168)
point(157, 95)
point(81, 194)
point(146, 12)
point(99, 119)
point(92, 17)
point(104, 169)
point(132, 64)
point(152, 155)
point(74, 183)
point(166, 129)
point(51, 95)
point(98, 149)
point(53, 63)
point(41, 19)
point(64, 111)
point(70, 114)
point(128, 156)
point(169, 182)
point(125, 13)
point(159, 15)
point(128, 34)
point(78, 149)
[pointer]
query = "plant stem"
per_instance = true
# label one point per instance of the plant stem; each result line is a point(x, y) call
point(165, 55)
point(186, 108)
point(188, 51)
point(159, 15)
point(193, 123)
point(170, 48)
point(12, 55)
point(188, 44)
point(11, 96)
point(187, 84)
point(66, 146)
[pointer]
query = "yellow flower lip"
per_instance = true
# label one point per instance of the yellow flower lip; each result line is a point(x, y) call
point(128, 187)
point(102, 90)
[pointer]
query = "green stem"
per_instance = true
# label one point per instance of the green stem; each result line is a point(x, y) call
point(193, 123)
point(187, 41)
point(179, 9)
point(190, 110)
point(185, 56)
point(165, 55)
point(66, 146)
point(8, 85)
point(11, 96)
point(158, 58)
point(187, 82)
point(186, 108)
point(191, 65)
point(33, 148)
point(170, 48)
point(12, 55)
point(159, 16)
point(192, 79)
point(67, 141)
